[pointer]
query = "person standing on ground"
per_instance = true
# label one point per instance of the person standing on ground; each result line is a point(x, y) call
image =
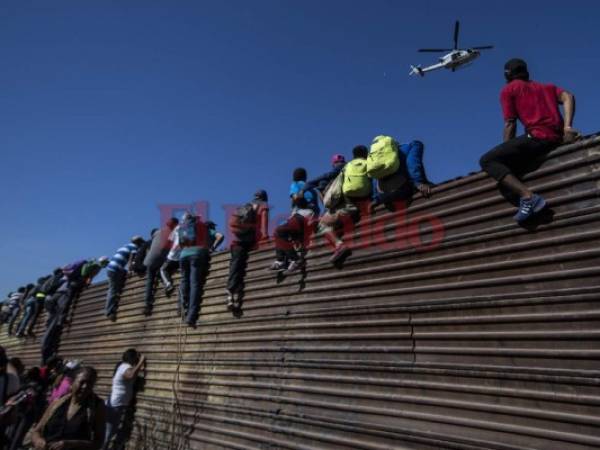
point(121, 396)
point(9, 385)
point(75, 421)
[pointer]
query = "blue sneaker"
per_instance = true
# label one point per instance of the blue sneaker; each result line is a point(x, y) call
point(529, 206)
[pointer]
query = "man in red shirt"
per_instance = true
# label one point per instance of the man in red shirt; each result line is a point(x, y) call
point(536, 105)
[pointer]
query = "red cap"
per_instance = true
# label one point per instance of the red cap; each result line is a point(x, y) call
point(337, 158)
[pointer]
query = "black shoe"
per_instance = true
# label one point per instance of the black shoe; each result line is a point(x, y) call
point(147, 311)
point(169, 290)
point(112, 317)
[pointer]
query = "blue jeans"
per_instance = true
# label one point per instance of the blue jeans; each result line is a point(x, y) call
point(31, 307)
point(116, 282)
point(194, 269)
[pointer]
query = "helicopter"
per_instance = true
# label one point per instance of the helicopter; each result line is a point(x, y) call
point(456, 58)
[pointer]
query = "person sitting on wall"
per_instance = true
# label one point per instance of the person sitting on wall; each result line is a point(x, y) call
point(357, 195)
point(409, 179)
point(321, 182)
point(536, 105)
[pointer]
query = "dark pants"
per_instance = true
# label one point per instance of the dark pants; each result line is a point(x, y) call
point(295, 230)
point(237, 265)
point(515, 156)
point(56, 315)
point(167, 270)
point(151, 274)
point(116, 282)
point(26, 417)
point(115, 428)
point(194, 270)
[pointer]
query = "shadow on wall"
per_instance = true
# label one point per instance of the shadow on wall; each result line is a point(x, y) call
point(170, 427)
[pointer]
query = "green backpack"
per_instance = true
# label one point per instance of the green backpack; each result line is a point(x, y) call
point(383, 158)
point(356, 181)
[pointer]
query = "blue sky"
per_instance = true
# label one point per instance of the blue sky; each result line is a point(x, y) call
point(108, 109)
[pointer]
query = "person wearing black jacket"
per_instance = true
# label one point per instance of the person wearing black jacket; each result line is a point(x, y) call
point(245, 237)
point(27, 405)
point(320, 183)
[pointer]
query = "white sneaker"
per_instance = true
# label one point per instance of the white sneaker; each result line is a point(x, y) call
point(229, 300)
point(277, 265)
point(294, 266)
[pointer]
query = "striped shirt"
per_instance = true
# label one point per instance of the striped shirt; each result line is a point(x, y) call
point(15, 299)
point(120, 259)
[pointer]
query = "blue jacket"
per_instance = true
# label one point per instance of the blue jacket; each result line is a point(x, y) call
point(411, 155)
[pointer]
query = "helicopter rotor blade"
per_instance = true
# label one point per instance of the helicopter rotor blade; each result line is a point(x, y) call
point(456, 29)
point(435, 50)
point(483, 47)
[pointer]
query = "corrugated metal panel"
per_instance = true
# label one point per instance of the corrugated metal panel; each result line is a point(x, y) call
point(488, 340)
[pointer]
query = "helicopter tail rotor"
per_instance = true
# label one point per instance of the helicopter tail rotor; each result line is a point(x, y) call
point(416, 70)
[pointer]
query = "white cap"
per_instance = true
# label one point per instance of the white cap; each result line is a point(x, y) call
point(72, 364)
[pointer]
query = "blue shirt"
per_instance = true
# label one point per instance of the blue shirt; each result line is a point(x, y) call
point(309, 195)
point(119, 260)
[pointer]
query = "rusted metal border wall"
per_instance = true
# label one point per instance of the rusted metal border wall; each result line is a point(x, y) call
point(487, 339)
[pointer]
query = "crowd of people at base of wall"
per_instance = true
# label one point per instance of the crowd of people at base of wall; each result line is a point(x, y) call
point(54, 407)
point(387, 173)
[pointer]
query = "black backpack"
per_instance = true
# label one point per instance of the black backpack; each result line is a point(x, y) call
point(243, 221)
point(52, 284)
point(137, 265)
